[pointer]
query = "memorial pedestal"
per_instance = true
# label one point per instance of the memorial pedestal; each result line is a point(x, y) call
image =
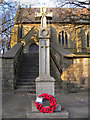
point(45, 84)
point(62, 114)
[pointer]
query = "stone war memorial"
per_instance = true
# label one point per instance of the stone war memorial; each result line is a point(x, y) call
point(45, 71)
point(44, 83)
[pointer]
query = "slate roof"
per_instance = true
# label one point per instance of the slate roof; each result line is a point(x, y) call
point(27, 15)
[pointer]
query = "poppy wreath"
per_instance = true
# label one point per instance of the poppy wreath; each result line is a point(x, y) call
point(49, 109)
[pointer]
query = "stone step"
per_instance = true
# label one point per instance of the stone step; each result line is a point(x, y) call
point(32, 91)
point(28, 74)
point(31, 58)
point(30, 55)
point(25, 87)
point(28, 77)
point(30, 61)
point(35, 59)
point(30, 71)
point(26, 83)
point(30, 68)
point(26, 80)
point(33, 84)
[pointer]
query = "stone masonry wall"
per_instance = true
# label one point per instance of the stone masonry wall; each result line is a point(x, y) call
point(31, 37)
point(76, 36)
point(10, 66)
point(70, 73)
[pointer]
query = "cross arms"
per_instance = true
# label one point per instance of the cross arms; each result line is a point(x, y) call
point(39, 15)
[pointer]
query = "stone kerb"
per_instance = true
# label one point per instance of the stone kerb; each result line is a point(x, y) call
point(10, 64)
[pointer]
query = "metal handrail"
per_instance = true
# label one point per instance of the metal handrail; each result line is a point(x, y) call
point(60, 70)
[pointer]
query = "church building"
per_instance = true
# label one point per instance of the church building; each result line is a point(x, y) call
point(62, 32)
point(69, 28)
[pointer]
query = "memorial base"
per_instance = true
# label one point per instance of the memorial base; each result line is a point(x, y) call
point(62, 114)
point(56, 114)
point(45, 84)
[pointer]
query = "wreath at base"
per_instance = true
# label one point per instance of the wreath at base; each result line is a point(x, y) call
point(49, 109)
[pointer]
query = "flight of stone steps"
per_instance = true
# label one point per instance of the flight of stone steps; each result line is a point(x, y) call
point(28, 73)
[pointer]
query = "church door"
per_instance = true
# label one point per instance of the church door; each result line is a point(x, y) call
point(34, 48)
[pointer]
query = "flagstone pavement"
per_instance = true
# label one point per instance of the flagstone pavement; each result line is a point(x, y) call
point(15, 105)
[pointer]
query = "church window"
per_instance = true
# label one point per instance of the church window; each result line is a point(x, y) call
point(20, 33)
point(66, 40)
point(59, 38)
point(88, 40)
point(63, 37)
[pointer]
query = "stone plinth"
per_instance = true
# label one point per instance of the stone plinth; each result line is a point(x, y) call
point(45, 84)
point(62, 114)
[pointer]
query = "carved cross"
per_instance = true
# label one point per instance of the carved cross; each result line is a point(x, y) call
point(43, 15)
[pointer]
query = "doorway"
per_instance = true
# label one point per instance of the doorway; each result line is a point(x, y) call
point(34, 48)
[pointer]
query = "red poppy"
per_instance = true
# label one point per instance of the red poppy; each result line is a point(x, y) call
point(49, 109)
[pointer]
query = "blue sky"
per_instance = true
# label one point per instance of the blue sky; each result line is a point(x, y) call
point(46, 3)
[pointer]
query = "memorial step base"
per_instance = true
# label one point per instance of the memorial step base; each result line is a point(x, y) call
point(59, 113)
point(62, 114)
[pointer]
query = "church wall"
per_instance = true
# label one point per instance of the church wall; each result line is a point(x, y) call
point(76, 35)
point(26, 29)
point(54, 36)
point(31, 37)
point(71, 81)
point(73, 73)
point(77, 39)
point(25, 38)
point(14, 35)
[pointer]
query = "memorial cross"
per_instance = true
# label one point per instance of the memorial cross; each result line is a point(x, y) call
point(44, 83)
point(43, 16)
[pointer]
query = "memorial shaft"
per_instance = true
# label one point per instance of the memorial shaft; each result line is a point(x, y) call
point(44, 83)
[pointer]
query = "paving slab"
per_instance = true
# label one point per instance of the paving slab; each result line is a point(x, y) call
point(19, 105)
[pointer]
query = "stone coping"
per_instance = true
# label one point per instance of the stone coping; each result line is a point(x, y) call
point(60, 49)
point(77, 56)
point(28, 32)
point(11, 53)
point(66, 53)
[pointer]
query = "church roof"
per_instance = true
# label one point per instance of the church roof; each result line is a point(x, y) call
point(27, 15)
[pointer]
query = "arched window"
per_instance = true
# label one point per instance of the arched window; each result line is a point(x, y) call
point(34, 48)
point(88, 40)
point(59, 38)
point(66, 39)
point(63, 37)
point(20, 32)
